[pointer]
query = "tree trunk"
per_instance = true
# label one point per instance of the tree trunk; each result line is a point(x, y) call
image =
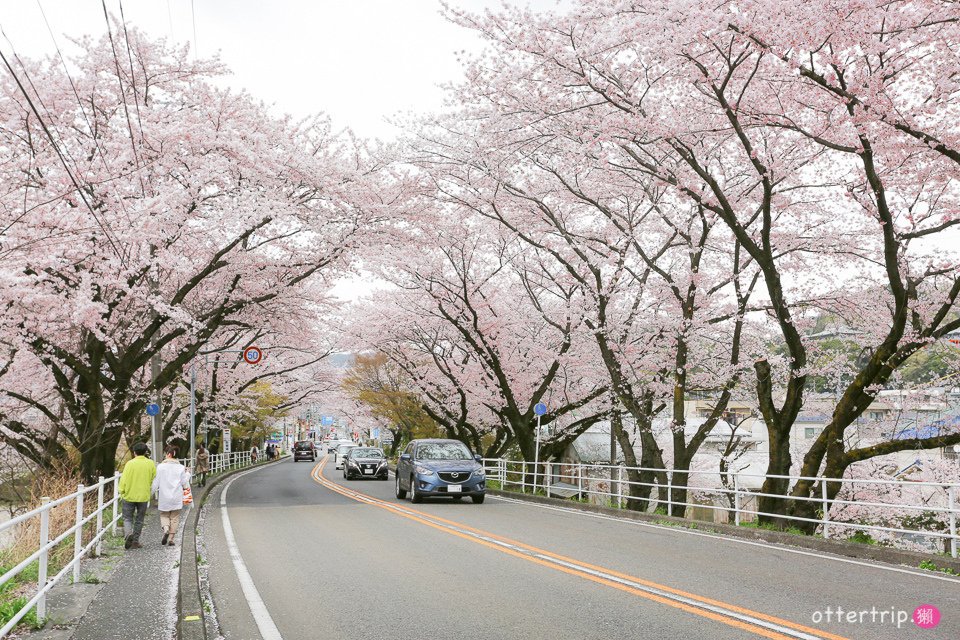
point(778, 464)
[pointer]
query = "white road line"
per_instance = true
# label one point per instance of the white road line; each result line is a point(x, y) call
point(775, 547)
point(261, 616)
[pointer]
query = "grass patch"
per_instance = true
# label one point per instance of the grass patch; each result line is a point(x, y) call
point(930, 565)
point(10, 608)
point(766, 526)
point(862, 537)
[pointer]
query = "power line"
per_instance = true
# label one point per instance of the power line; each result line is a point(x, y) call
point(73, 86)
point(76, 184)
point(123, 97)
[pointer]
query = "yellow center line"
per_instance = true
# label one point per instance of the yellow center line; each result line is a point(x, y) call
point(422, 518)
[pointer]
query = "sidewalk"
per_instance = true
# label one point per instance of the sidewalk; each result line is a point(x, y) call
point(138, 601)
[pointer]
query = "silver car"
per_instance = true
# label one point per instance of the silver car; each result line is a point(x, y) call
point(340, 453)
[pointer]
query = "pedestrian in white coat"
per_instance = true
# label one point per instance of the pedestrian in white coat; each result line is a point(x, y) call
point(172, 478)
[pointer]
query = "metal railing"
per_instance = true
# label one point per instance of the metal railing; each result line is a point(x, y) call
point(612, 484)
point(234, 460)
point(46, 544)
point(218, 463)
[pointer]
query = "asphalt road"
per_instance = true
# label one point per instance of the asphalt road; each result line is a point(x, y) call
point(326, 562)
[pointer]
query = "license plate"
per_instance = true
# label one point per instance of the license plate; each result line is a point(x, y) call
point(454, 488)
point(368, 471)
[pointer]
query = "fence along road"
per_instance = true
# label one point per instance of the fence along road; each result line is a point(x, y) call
point(339, 558)
point(928, 502)
point(94, 520)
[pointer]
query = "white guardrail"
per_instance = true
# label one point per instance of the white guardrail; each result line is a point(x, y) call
point(218, 463)
point(612, 484)
point(45, 544)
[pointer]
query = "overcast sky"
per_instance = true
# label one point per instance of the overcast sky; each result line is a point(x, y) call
point(360, 61)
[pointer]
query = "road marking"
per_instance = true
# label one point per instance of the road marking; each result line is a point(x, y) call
point(732, 615)
point(261, 616)
point(723, 538)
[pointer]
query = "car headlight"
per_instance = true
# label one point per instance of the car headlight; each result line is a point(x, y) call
point(383, 463)
point(424, 471)
point(479, 473)
point(351, 462)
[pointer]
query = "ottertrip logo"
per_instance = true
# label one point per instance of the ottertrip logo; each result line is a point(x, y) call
point(926, 616)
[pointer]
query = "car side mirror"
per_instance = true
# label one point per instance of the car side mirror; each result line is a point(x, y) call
point(478, 458)
point(405, 456)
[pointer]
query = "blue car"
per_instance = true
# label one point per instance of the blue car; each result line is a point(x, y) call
point(440, 468)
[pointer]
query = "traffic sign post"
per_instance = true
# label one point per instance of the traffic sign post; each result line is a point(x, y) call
point(540, 409)
point(252, 355)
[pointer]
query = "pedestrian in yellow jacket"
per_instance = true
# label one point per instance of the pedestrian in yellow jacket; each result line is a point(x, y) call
point(135, 483)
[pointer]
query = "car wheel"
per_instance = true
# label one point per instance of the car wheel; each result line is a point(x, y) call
point(401, 494)
point(415, 497)
point(478, 499)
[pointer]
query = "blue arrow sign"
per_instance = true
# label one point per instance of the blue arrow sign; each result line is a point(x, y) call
point(540, 409)
point(326, 421)
point(153, 409)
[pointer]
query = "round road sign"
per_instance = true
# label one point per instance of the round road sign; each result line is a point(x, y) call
point(252, 355)
point(153, 409)
point(540, 409)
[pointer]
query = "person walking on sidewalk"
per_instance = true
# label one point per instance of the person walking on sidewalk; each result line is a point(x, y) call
point(172, 478)
point(135, 483)
point(202, 466)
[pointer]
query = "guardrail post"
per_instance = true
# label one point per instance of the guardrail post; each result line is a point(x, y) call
point(42, 569)
point(736, 499)
point(78, 535)
point(620, 487)
point(116, 501)
point(952, 498)
point(670, 493)
point(826, 509)
point(579, 480)
point(99, 515)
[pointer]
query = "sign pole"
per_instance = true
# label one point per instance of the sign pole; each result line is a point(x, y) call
point(540, 409)
point(536, 458)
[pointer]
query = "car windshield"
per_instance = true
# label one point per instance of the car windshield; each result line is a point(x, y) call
point(443, 451)
point(304, 445)
point(366, 453)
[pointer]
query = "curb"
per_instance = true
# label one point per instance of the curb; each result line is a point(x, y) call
point(189, 600)
point(886, 555)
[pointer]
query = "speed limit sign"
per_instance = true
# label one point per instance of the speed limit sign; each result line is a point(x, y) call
point(252, 355)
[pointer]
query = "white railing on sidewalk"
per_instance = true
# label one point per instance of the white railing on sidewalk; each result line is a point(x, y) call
point(225, 461)
point(218, 463)
point(45, 544)
point(586, 480)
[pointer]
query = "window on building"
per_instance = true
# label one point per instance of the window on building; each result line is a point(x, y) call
point(876, 415)
point(809, 433)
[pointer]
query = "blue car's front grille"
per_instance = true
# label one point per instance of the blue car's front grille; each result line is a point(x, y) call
point(454, 476)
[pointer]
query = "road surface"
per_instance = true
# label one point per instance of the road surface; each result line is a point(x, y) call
point(315, 556)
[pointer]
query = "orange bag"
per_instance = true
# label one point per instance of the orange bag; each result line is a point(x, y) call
point(187, 496)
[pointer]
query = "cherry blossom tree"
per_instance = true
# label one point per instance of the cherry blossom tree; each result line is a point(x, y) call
point(791, 131)
point(149, 211)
